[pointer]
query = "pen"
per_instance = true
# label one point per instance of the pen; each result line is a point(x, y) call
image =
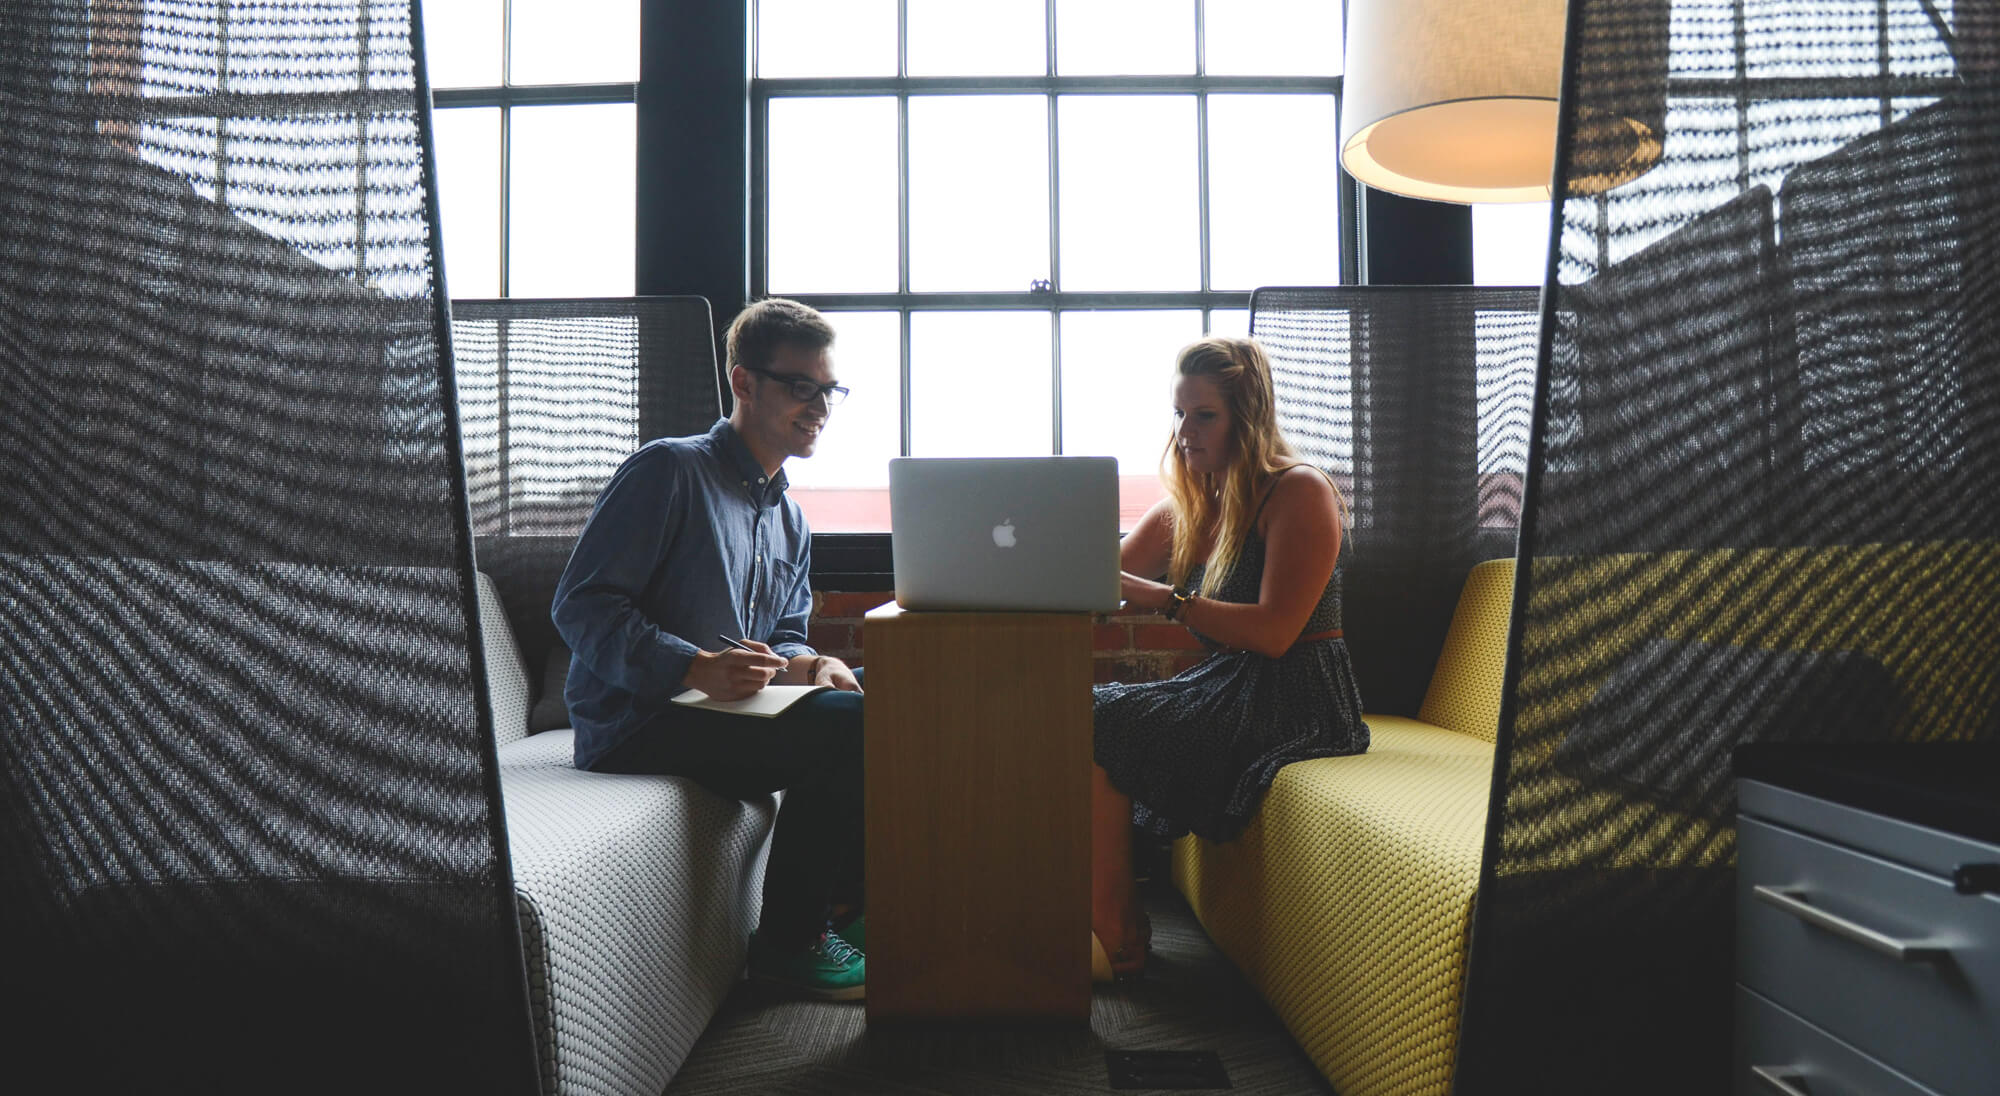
point(738, 644)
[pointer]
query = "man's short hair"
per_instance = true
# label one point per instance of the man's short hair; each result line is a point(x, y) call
point(756, 333)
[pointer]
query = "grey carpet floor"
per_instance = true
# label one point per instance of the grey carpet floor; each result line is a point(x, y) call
point(1191, 998)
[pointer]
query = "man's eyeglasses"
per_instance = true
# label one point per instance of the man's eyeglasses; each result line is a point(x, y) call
point(803, 389)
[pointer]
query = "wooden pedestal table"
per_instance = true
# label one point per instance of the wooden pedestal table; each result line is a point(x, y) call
point(978, 820)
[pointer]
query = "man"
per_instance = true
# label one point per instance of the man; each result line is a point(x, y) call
point(692, 544)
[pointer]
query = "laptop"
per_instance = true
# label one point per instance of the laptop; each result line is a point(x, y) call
point(1005, 533)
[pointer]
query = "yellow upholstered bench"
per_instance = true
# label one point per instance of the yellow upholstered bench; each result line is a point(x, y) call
point(1348, 900)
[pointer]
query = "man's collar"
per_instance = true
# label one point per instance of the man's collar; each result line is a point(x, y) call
point(736, 456)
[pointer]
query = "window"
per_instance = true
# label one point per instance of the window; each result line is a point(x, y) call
point(237, 112)
point(1510, 243)
point(536, 144)
point(1015, 212)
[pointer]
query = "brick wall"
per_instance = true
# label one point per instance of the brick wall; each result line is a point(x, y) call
point(1127, 648)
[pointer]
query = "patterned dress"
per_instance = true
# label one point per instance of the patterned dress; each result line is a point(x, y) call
point(1197, 751)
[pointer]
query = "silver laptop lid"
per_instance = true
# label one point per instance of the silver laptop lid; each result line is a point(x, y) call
point(1024, 533)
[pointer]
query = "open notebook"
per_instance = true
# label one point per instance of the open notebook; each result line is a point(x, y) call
point(767, 701)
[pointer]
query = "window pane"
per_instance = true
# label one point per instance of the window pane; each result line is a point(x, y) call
point(995, 38)
point(1844, 37)
point(295, 179)
point(1117, 394)
point(1273, 192)
point(826, 37)
point(832, 194)
point(184, 147)
point(574, 41)
point(1916, 47)
point(1130, 198)
point(844, 487)
point(462, 43)
point(276, 48)
point(1510, 243)
point(979, 384)
point(979, 192)
point(570, 217)
point(1273, 38)
point(1124, 37)
point(468, 189)
point(1229, 321)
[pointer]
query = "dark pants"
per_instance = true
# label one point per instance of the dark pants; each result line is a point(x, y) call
point(811, 750)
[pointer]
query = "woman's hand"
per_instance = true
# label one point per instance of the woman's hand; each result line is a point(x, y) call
point(1143, 595)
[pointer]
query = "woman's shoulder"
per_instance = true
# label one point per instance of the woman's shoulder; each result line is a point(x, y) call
point(1300, 491)
point(1301, 484)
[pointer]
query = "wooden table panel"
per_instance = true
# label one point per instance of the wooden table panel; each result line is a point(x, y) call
point(978, 820)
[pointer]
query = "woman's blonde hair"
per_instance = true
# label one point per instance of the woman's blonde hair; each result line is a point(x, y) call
point(1226, 502)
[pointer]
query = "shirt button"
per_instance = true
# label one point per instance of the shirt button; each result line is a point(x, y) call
point(760, 479)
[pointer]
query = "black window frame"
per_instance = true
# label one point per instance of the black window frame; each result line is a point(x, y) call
point(506, 96)
point(860, 561)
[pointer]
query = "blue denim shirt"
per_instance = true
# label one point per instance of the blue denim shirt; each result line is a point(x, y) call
point(688, 542)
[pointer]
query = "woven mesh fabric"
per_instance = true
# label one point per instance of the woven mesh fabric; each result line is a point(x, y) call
point(555, 394)
point(1417, 399)
point(1347, 901)
point(638, 893)
point(249, 814)
point(1763, 500)
point(1465, 689)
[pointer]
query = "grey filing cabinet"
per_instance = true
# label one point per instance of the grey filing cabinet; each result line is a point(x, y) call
point(1868, 921)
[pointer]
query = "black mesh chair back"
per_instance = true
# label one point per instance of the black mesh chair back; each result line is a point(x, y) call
point(1763, 498)
point(250, 828)
point(1417, 400)
point(554, 395)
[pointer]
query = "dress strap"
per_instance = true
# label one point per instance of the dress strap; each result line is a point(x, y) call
point(1273, 489)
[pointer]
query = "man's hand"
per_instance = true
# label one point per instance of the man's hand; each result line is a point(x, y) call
point(834, 672)
point(732, 674)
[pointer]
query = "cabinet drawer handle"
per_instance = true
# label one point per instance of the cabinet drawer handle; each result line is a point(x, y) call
point(1905, 950)
point(1778, 1079)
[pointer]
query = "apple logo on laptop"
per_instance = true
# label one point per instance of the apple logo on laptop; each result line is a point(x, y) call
point(1003, 533)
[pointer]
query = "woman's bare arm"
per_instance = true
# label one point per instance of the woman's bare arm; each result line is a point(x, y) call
point(1147, 549)
point(1302, 543)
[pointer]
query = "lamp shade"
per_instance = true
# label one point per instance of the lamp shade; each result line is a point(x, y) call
point(1457, 101)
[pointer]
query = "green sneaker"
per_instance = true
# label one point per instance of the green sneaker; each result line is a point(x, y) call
point(855, 932)
point(828, 968)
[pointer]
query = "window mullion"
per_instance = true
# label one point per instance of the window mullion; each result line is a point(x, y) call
point(506, 194)
point(1055, 237)
point(1201, 137)
point(362, 37)
point(1201, 180)
point(903, 193)
point(903, 317)
point(506, 143)
point(1200, 38)
point(221, 119)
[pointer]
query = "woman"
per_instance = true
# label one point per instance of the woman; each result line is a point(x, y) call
point(1249, 540)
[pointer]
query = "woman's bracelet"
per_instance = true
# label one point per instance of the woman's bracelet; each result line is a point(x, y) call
point(1177, 603)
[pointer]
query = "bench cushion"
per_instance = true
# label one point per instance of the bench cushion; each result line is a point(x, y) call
point(506, 678)
point(1347, 902)
point(1464, 693)
point(636, 896)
